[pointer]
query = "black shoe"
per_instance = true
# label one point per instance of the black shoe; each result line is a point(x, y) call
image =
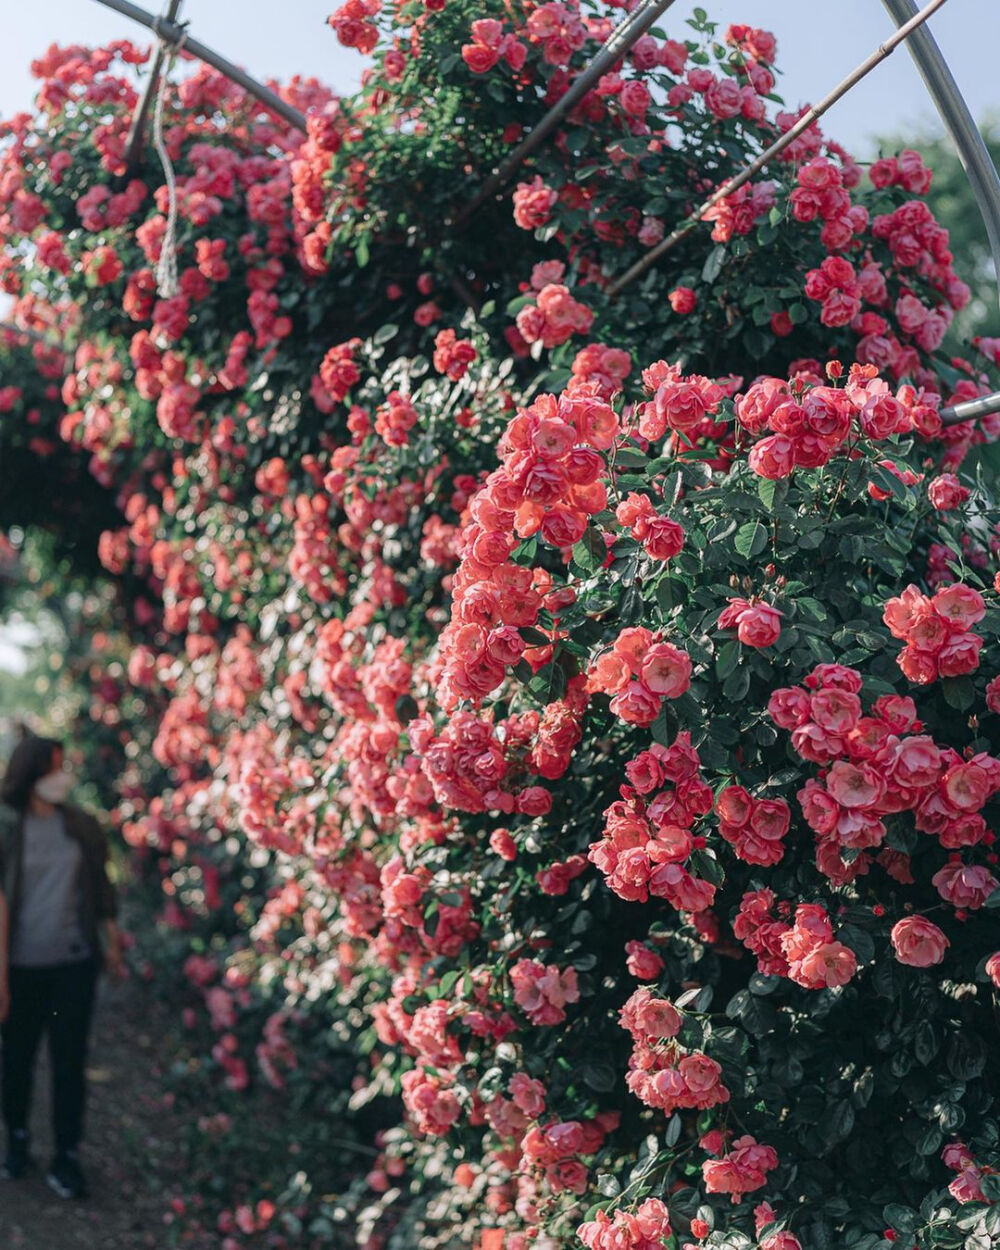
point(66, 1176)
point(17, 1162)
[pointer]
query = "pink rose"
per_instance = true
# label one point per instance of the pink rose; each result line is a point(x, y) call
point(533, 201)
point(959, 605)
point(734, 806)
point(680, 405)
point(964, 885)
point(918, 942)
point(946, 492)
point(839, 308)
point(824, 966)
point(759, 626)
point(666, 670)
point(837, 711)
point(649, 1018)
point(636, 704)
point(993, 969)
point(918, 666)
point(959, 655)
point(789, 707)
point(723, 98)
point(781, 1241)
point(852, 786)
point(772, 457)
point(682, 300)
point(642, 963)
point(528, 1094)
point(488, 31)
point(663, 539)
point(970, 784)
point(917, 762)
point(901, 613)
point(635, 98)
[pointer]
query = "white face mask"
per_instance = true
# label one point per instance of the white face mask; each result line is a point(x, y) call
point(54, 787)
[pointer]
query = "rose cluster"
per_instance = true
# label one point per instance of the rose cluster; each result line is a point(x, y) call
point(937, 631)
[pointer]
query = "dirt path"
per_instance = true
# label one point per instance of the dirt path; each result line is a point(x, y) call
point(125, 1130)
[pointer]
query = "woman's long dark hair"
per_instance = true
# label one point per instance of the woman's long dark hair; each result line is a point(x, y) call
point(30, 760)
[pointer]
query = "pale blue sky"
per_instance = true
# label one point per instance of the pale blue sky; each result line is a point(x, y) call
point(818, 42)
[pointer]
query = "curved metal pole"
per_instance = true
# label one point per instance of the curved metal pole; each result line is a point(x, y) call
point(133, 144)
point(175, 35)
point(984, 406)
point(804, 122)
point(959, 122)
point(614, 47)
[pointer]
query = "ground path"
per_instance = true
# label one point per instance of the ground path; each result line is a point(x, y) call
point(127, 1131)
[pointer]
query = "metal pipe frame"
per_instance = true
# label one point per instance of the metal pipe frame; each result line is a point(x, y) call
point(133, 144)
point(174, 35)
point(621, 39)
point(959, 122)
point(971, 409)
point(804, 122)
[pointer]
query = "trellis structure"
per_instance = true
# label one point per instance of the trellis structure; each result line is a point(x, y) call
point(173, 35)
point(911, 29)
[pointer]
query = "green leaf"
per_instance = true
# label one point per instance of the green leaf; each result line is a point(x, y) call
point(406, 708)
point(812, 608)
point(772, 492)
point(835, 1126)
point(736, 685)
point(590, 552)
point(888, 481)
point(727, 659)
point(967, 1056)
point(548, 684)
point(713, 264)
point(755, 1014)
point(751, 539)
point(631, 607)
point(902, 1219)
point(859, 941)
point(599, 1076)
point(959, 692)
point(661, 728)
point(927, 1042)
point(990, 1183)
point(630, 458)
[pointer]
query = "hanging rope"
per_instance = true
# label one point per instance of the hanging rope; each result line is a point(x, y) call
point(166, 266)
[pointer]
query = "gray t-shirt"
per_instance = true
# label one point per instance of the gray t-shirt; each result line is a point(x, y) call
point(49, 926)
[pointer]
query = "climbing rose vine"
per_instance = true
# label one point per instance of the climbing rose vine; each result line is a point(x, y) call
point(573, 713)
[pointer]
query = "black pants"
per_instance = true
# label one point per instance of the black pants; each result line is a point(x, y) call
point(57, 1000)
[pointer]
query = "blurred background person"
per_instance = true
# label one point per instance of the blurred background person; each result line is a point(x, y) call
point(61, 927)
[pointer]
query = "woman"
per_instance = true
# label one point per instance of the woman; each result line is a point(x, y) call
point(53, 871)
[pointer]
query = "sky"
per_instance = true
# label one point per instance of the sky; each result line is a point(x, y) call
point(819, 41)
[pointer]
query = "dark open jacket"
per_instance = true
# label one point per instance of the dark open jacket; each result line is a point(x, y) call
point(99, 902)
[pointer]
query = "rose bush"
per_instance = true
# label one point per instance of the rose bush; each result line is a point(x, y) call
point(572, 711)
